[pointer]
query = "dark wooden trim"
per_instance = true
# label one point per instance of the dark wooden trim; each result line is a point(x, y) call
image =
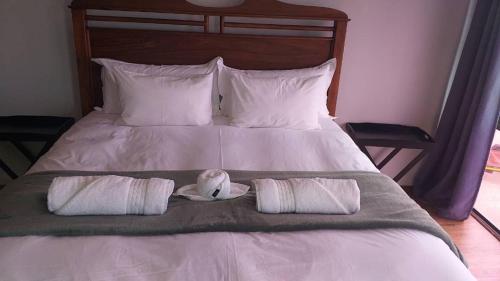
point(82, 47)
point(206, 24)
point(144, 20)
point(388, 157)
point(277, 26)
point(365, 151)
point(243, 51)
point(249, 8)
point(24, 150)
point(7, 170)
point(222, 23)
point(337, 52)
point(486, 223)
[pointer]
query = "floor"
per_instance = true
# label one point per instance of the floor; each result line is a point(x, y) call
point(488, 199)
point(479, 247)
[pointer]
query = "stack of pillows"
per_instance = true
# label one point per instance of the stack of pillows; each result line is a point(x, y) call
point(189, 95)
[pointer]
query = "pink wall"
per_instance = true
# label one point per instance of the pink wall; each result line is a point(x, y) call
point(396, 64)
point(397, 61)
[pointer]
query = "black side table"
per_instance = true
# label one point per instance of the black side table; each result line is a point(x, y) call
point(17, 129)
point(390, 135)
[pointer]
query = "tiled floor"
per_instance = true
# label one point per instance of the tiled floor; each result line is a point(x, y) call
point(488, 199)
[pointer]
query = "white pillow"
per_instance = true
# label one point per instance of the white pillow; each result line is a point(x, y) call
point(111, 99)
point(152, 100)
point(325, 70)
point(284, 102)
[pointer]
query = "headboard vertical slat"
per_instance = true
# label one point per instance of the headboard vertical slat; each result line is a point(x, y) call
point(221, 24)
point(82, 48)
point(340, 29)
point(206, 23)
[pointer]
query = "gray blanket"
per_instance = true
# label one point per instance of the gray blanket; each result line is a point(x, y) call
point(23, 210)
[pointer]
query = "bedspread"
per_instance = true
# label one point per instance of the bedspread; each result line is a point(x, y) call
point(383, 205)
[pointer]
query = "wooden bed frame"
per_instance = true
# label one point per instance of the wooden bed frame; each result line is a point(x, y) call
point(244, 51)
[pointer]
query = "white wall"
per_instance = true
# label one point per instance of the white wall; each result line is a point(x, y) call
point(397, 59)
point(37, 64)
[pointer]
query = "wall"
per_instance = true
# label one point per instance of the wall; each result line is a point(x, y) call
point(37, 66)
point(397, 60)
point(37, 58)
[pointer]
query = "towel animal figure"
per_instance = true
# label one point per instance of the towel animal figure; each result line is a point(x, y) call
point(212, 185)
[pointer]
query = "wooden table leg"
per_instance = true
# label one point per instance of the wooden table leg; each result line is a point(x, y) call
point(409, 166)
point(388, 158)
point(25, 151)
point(7, 170)
point(365, 151)
point(46, 147)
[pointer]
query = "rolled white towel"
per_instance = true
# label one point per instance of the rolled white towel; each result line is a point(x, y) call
point(108, 195)
point(307, 195)
point(214, 184)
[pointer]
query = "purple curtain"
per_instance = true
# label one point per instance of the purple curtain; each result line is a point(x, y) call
point(450, 177)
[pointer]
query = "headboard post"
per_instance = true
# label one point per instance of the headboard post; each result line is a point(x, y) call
point(82, 48)
point(338, 52)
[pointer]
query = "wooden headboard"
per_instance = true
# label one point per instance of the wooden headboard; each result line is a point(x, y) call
point(239, 49)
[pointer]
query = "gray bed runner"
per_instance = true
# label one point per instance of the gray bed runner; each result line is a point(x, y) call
point(23, 210)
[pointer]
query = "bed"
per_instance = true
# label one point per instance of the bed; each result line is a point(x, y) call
point(98, 144)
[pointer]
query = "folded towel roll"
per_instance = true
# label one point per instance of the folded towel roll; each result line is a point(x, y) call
point(307, 195)
point(108, 195)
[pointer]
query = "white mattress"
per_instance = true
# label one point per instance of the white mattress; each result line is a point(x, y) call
point(95, 143)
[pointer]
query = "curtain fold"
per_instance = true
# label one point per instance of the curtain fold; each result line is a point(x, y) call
point(451, 175)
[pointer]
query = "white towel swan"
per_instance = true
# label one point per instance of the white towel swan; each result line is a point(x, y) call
point(212, 185)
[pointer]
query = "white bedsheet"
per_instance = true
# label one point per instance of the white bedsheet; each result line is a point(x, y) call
point(399, 255)
point(96, 144)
